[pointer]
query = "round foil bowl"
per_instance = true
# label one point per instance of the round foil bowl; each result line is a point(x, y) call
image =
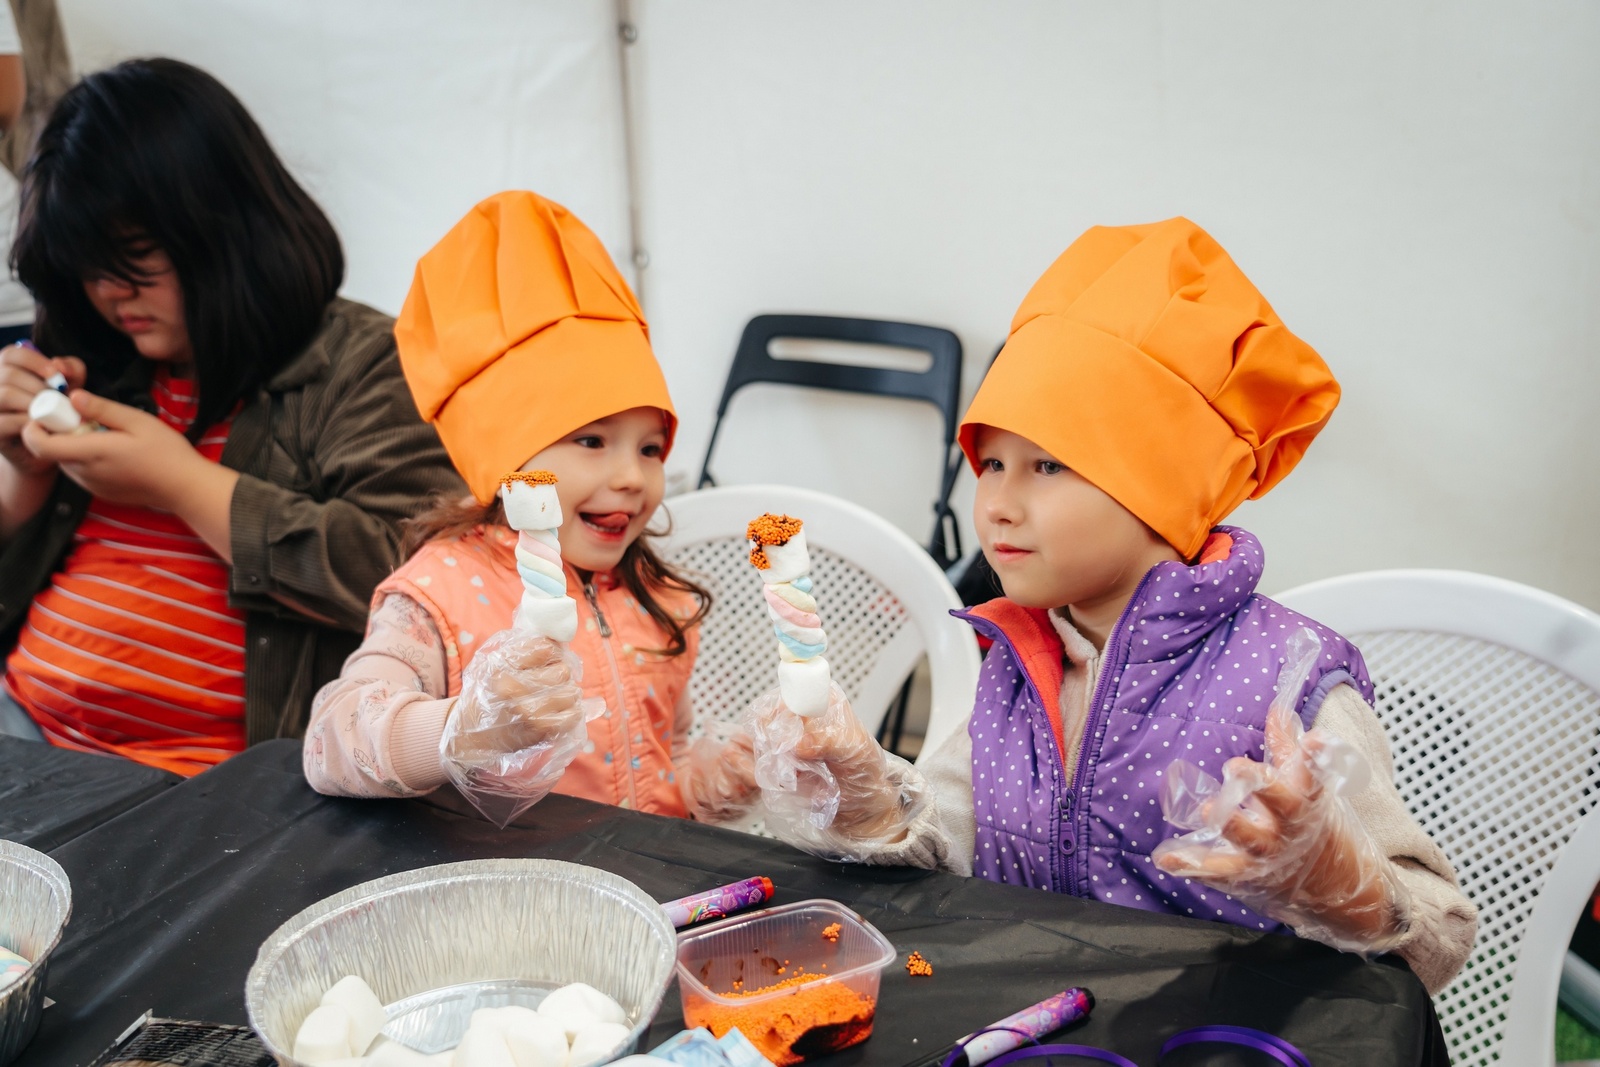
point(35, 901)
point(437, 942)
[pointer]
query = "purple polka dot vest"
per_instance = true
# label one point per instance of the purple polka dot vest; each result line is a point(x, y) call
point(1189, 672)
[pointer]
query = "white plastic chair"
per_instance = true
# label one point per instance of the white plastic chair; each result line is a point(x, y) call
point(1490, 694)
point(883, 601)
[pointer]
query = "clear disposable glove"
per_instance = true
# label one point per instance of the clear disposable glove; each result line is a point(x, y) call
point(518, 723)
point(1282, 837)
point(719, 784)
point(826, 785)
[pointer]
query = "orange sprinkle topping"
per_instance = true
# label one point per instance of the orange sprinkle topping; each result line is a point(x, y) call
point(529, 478)
point(831, 932)
point(917, 966)
point(769, 529)
point(830, 1015)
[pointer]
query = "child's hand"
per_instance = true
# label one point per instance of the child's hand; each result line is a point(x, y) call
point(518, 692)
point(1281, 837)
point(719, 784)
point(826, 782)
point(517, 725)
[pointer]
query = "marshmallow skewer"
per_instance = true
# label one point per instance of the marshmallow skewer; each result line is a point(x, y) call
point(534, 511)
point(778, 550)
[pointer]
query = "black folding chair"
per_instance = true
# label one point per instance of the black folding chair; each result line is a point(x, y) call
point(939, 385)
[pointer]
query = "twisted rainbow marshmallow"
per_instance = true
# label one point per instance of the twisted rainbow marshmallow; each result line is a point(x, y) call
point(534, 511)
point(778, 551)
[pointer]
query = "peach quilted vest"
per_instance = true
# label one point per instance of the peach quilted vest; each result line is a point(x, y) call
point(470, 588)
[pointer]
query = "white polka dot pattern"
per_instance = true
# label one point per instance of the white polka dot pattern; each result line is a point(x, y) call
point(1189, 673)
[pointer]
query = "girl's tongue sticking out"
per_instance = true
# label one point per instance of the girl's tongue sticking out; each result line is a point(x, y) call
point(608, 526)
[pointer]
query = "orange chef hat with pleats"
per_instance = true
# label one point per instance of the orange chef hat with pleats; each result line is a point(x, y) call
point(517, 331)
point(1146, 361)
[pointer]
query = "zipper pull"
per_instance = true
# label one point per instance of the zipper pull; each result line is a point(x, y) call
point(594, 605)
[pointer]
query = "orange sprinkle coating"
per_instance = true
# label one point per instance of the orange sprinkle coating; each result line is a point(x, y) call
point(529, 478)
point(831, 932)
point(769, 529)
point(833, 1015)
point(916, 966)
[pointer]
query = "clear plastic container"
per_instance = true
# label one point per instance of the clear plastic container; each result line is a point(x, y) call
point(799, 981)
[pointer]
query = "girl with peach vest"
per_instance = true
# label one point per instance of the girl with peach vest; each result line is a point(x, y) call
point(527, 351)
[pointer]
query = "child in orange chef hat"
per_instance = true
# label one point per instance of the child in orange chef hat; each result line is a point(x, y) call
point(1146, 390)
point(526, 349)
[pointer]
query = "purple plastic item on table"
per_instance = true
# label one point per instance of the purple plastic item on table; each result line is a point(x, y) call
point(719, 902)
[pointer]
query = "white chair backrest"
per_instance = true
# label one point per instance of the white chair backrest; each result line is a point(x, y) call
point(883, 601)
point(1490, 694)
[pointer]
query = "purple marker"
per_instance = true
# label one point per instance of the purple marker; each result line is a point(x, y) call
point(718, 902)
point(1014, 1031)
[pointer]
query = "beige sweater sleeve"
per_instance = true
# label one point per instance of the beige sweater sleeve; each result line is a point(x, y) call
point(1444, 923)
point(375, 729)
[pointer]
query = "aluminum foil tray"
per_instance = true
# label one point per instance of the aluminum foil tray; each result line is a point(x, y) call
point(439, 941)
point(35, 901)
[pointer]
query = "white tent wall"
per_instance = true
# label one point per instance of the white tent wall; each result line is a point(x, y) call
point(398, 117)
point(1415, 188)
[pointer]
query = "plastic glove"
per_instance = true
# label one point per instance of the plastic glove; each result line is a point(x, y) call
point(1282, 837)
point(826, 785)
point(719, 785)
point(517, 724)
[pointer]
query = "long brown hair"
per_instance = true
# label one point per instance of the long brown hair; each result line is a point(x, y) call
point(641, 571)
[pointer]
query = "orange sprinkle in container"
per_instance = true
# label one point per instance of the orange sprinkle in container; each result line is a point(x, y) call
point(794, 992)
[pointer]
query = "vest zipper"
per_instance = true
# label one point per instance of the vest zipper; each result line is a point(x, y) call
point(616, 685)
point(1109, 658)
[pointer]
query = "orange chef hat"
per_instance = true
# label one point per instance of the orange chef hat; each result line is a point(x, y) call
point(1146, 361)
point(517, 331)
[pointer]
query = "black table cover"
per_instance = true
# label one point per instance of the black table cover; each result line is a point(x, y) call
point(50, 795)
point(171, 901)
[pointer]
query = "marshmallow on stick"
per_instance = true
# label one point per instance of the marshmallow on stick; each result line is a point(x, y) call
point(778, 551)
point(534, 511)
point(52, 410)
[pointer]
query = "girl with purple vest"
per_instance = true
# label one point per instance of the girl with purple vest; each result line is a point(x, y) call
point(1145, 391)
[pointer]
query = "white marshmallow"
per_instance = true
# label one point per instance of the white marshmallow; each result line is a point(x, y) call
point(537, 1042)
point(555, 618)
point(482, 1046)
point(531, 507)
point(394, 1054)
point(593, 1044)
point(367, 1016)
point(54, 412)
point(579, 1005)
point(804, 685)
point(787, 562)
point(325, 1036)
point(502, 1019)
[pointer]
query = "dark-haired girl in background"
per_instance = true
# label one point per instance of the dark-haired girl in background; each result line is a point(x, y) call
point(179, 585)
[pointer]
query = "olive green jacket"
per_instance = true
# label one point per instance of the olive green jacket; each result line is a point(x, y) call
point(332, 455)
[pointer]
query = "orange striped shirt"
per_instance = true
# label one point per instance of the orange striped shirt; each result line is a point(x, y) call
point(133, 650)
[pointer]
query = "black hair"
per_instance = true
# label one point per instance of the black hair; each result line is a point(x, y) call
point(155, 153)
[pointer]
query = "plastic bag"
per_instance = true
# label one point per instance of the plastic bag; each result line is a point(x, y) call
point(1281, 836)
point(517, 725)
point(720, 782)
point(826, 785)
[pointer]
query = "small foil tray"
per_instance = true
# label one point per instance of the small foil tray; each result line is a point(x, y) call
point(435, 1021)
